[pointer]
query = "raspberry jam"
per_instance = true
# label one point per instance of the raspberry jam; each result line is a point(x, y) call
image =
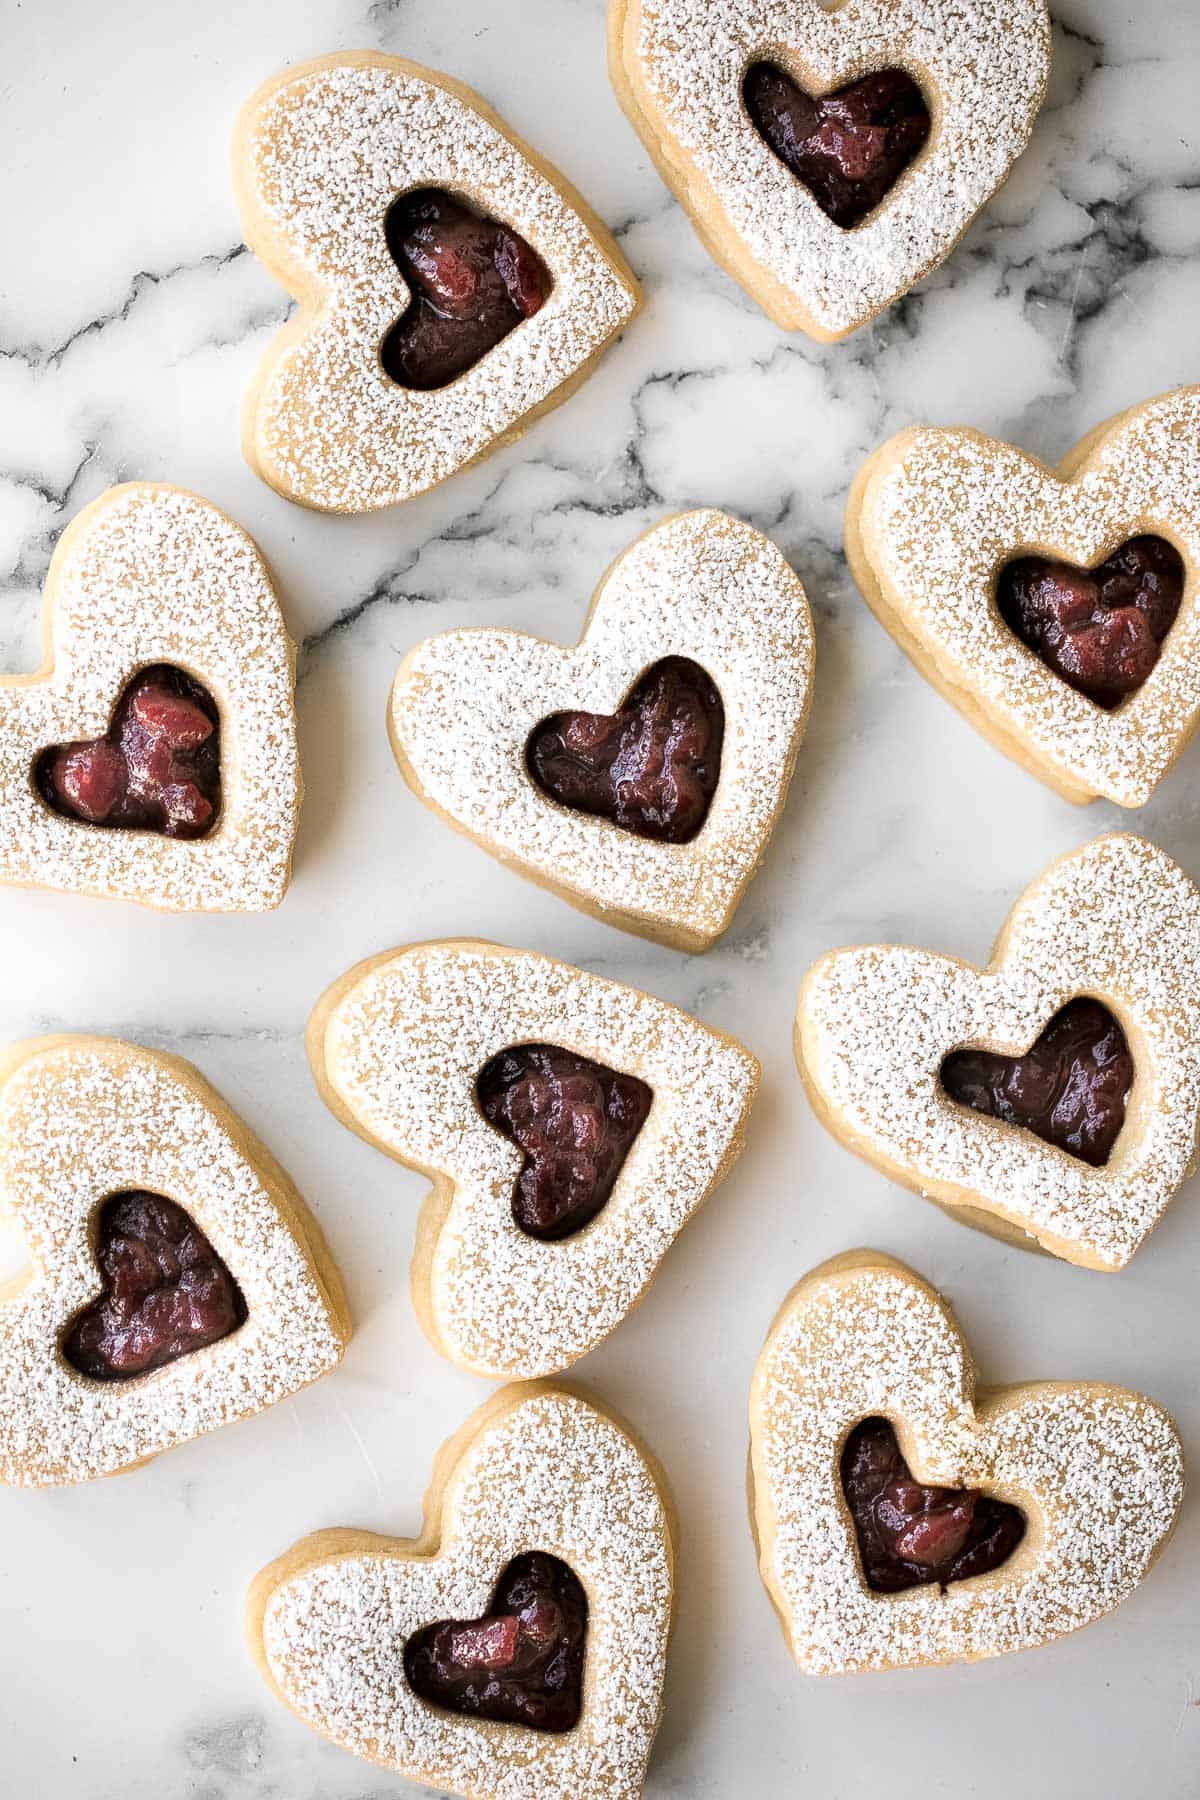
point(848, 148)
point(158, 769)
point(472, 282)
point(523, 1663)
point(166, 1292)
point(576, 1122)
point(1070, 1089)
point(910, 1535)
point(1102, 630)
point(652, 768)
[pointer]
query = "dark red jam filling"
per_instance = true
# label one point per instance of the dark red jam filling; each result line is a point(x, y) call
point(574, 1119)
point(472, 281)
point(652, 767)
point(158, 769)
point(1102, 630)
point(910, 1535)
point(166, 1292)
point(1070, 1088)
point(848, 148)
point(523, 1663)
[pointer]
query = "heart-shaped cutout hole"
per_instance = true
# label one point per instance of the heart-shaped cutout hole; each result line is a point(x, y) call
point(522, 1664)
point(575, 1120)
point(158, 768)
point(473, 281)
point(1070, 1088)
point(910, 1535)
point(849, 148)
point(1101, 630)
point(166, 1292)
point(651, 767)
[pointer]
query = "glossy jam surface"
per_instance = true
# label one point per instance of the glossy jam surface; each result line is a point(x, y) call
point(574, 1119)
point(848, 148)
point(523, 1663)
point(1070, 1088)
point(166, 1292)
point(911, 1536)
point(1102, 630)
point(652, 768)
point(158, 769)
point(472, 280)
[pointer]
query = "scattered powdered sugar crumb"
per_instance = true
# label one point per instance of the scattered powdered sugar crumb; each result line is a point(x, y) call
point(330, 151)
point(1098, 1471)
point(550, 1474)
point(151, 575)
point(941, 521)
point(984, 62)
point(702, 585)
point(403, 1049)
point(1118, 920)
point(78, 1123)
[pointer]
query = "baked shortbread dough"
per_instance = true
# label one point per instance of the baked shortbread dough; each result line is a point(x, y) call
point(86, 1118)
point(319, 155)
point(1116, 920)
point(678, 67)
point(936, 514)
point(1096, 1470)
point(397, 1046)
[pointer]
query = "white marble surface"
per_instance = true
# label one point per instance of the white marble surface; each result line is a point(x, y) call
point(130, 320)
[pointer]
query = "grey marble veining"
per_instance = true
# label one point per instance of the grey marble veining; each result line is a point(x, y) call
point(131, 319)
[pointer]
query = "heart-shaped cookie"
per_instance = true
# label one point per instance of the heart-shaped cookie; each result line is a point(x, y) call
point(538, 1472)
point(156, 604)
point(935, 518)
point(701, 588)
point(124, 1171)
point(680, 70)
point(322, 154)
point(1116, 921)
point(1097, 1472)
point(408, 1050)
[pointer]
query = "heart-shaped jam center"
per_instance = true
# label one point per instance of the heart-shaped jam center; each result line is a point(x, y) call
point(1071, 1088)
point(472, 282)
point(910, 1535)
point(523, 1663)
point(574, 1119)
point(158, 769)
point(848, 148)
point(652, 768)
point(1102, 630)
point(166, 1292)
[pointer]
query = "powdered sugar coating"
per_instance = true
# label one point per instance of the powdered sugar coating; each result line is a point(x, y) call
point(401, 1050)
point(80, 1120)
point(983, 65)
point(550, 1473)
point(947, 510)
point(151, 574)
point(1117, 920)
point(320, 156)
point(1097, 1470)
point(701, 585)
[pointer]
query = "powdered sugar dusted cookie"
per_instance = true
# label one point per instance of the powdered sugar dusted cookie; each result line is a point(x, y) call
point(452, 286)
point(1060, 612)
point(900, 1523)
point(830, 156)
point(176, 1282)
point(153, 756)
point(1051, 1099)
point(640, 774)
point(516, 1650)
point(571, 1127)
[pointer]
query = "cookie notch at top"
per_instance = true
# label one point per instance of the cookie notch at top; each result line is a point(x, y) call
point(320, 154)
